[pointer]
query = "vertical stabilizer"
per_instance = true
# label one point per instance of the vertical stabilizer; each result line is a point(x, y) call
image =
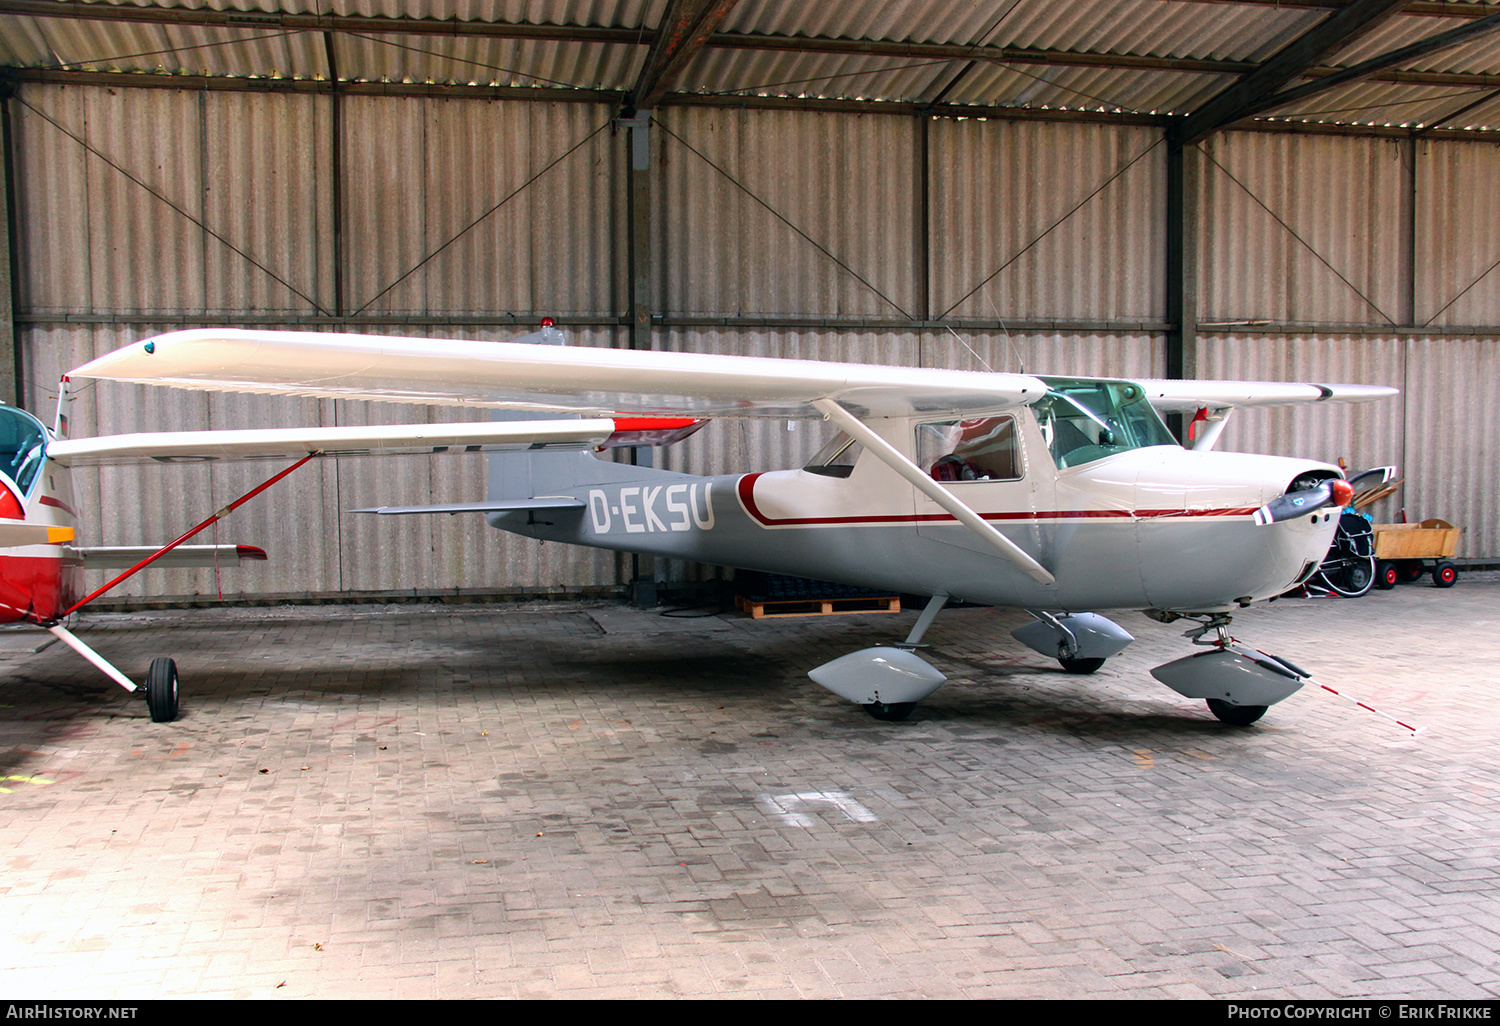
point(525, 475)
point(64, 408)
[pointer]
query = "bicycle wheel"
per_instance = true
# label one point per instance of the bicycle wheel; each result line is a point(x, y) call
point(1350, 576)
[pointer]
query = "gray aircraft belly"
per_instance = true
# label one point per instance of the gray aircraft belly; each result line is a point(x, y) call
point(1100, 563)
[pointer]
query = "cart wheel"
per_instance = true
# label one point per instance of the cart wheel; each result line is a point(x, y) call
point(1445, 574)
point(1387, 576)
point(1411, 570)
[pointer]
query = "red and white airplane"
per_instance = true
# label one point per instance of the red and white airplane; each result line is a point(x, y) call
point(1059, 495)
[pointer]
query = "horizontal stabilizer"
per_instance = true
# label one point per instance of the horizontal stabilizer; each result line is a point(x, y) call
point(114, 557)
point(488, 506)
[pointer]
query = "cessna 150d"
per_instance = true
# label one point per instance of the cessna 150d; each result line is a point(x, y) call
point(1059, 495)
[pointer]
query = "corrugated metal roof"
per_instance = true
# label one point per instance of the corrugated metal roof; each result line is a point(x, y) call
point(1114, 32)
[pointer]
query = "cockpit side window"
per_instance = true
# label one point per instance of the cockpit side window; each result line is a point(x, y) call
point(978, 449)
point(836, 459)
point(23, 447)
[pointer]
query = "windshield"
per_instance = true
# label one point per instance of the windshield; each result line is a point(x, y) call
point(23, 444)
point(1087, 420)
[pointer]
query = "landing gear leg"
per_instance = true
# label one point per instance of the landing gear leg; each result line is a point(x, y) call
point(929, 614)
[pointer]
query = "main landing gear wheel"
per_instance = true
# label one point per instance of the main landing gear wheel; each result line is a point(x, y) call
point(161, 690)
point(1236, 715)
point(1080, 665)
point(891, 712)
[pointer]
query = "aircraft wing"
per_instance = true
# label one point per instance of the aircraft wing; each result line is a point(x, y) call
point(518, 375)
point(1189, 396)
point(1211, 402)
point(294, 443)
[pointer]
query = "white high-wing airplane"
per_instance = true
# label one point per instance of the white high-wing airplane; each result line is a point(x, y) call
point(1059, 495)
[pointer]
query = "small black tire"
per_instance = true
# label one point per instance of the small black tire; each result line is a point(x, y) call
point(890, 712)
point(1411, 570)
point(1387, 575)
point(1080, 665)
point(1445, 574)
point(161, 690)
point(1236, 715)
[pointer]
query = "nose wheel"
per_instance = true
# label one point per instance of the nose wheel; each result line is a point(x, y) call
point(1236, 715)
point(890, 712)
point(161, 690)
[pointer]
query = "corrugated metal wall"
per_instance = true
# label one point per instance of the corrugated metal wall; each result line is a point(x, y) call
point(1072, 212)
point(139, 208)
point(1401, 237)
point(1303, 229)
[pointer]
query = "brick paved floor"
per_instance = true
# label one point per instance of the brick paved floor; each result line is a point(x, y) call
point(588, 801)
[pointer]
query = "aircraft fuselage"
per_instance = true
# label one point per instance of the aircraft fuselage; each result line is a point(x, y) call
point(37, 582)
point(1160, 527)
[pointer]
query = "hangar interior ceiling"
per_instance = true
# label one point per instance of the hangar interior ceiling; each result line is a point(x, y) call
point(1199, 188)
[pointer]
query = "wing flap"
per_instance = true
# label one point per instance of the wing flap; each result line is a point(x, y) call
point(294, 443)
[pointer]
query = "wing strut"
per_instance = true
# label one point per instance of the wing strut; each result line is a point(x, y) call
point(236, 504)
point(893, 458)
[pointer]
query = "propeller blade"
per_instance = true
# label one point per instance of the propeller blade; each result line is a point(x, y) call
point(1335, 491)
point(1371, 478)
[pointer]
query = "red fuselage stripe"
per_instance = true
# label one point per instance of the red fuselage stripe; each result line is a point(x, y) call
point(747, 496)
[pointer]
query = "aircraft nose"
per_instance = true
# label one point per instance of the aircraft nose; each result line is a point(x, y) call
point(1306, 494)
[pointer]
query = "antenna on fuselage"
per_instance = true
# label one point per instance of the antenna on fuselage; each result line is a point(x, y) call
point(1020, 363)
point(970, 348)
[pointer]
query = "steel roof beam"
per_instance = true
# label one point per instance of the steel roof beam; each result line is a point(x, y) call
point(1364, 69)
point(684, 29)
point(1252, 93)
point(1435, 9)
point(382, 25)
point(135, 80)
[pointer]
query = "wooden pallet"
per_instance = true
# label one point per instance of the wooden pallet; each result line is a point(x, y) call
point(763, 609)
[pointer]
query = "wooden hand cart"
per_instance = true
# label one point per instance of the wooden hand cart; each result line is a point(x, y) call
point(1402, 552)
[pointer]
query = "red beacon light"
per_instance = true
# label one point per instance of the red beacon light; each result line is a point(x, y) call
point(547, 322)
